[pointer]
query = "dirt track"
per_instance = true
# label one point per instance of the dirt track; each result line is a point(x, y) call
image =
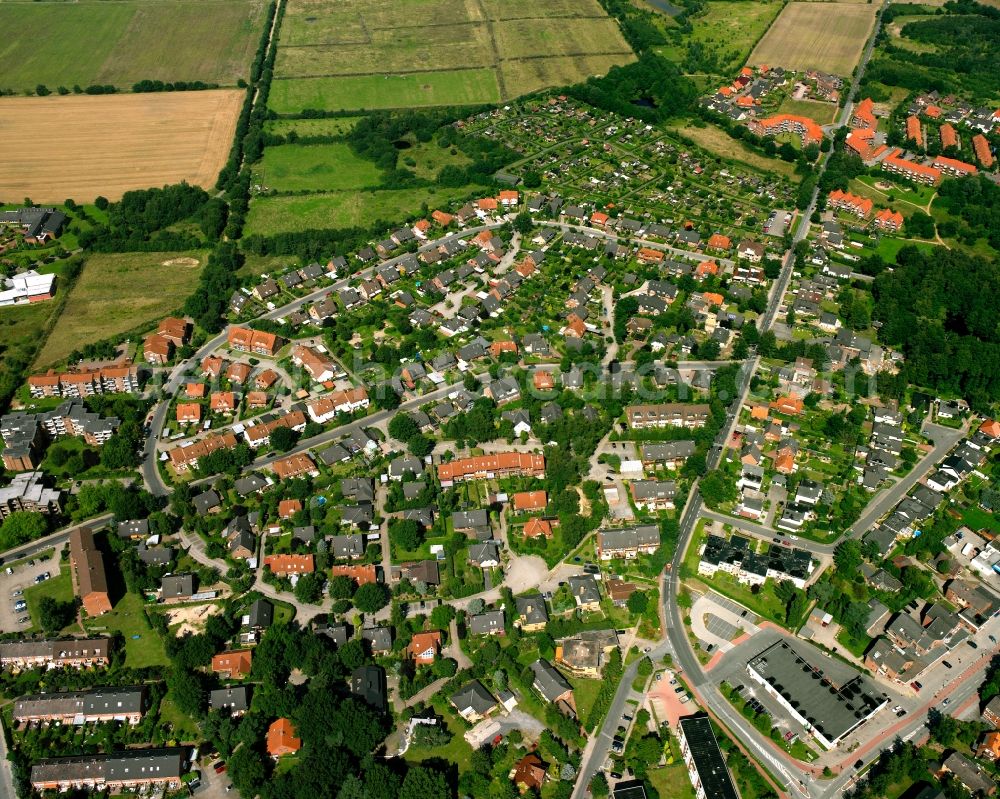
point(80, 147)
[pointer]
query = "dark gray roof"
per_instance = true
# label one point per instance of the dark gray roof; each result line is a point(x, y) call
point(548, 681)
point(177, 586)
point(261, 614)
point(235, 699)
point(473, 696)
point(491, 621)
point(369, 683)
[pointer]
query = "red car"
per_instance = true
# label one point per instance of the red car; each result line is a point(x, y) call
point(915, 685)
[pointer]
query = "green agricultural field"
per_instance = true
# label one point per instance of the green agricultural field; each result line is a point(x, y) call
point(458, 87)
point(334, 126)
point(314, 167)
point(146, 287)
point(367, 54)
point(339, 209)
point(120, 43)
point(727, 29)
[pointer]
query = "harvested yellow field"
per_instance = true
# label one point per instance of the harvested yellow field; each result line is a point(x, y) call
point(81, 147)
point(826, 36)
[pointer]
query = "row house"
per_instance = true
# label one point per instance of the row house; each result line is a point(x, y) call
point(653, 495)
point(55, 652)
point(668, 454)
point(673, 414)
point(295, 466)
point(83, 707)
point(628, 542)
point(142, 770)
point(259, 434)
point(501, 464)
point(186, 456)
point(347, 401)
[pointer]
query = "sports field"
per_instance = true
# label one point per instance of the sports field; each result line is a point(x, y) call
point(295, 167)
point(824, 36)
point(122, 42)
point(364, 54)
point(118, 292)
point(341, 209)
point(82, 147)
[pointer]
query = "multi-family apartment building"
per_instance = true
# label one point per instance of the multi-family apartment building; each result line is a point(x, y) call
point(123, 379)
point(670, 414)
point(51, 652)
point(83, 707)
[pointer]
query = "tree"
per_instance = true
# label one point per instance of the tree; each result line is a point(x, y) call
point(21, 527)
point(599, 785)
point(352, 654)
point(283, 438)
point(402, 427)
point(187, 690)
point(644, 667)
point(441, 616)
point(342, 587)
point(847, 557)
point(523, 223)
point(54, 615)
point(444, 667)
point(371, 597)
point(309, 588)
point(420, 445)
point(637, 602)
point(385, 398)
point(406, 534)
point(943, 728)
point(716, 488)
point(421, 782)
point(476, 606)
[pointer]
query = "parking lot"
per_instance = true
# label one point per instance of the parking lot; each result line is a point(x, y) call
point(23, 577)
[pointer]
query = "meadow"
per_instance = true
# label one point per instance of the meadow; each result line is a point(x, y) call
point(821, 112)
point(730, 29)
point(334, 126)
point(120, 43)
point(414, 90)
point(370, 54)
point(340, 209)
point(824, 36)
point(116, 142)
point(146, 287)
point(294, 167)
point(720, 143)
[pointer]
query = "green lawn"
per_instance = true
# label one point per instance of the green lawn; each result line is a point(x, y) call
point(978, 519)
point(350, 92)
point(856, 646)
point(457, 751)
point(672, 782)
point(182, 726)
point(315, 167)
point(585, 692)
point(342, 209)
point(143, 646)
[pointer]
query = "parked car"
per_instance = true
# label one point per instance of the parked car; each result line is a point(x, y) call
point(24, 620)
point(946, 664)
point(916, 686)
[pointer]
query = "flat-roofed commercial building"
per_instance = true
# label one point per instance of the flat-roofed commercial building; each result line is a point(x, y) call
point(828, 705)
